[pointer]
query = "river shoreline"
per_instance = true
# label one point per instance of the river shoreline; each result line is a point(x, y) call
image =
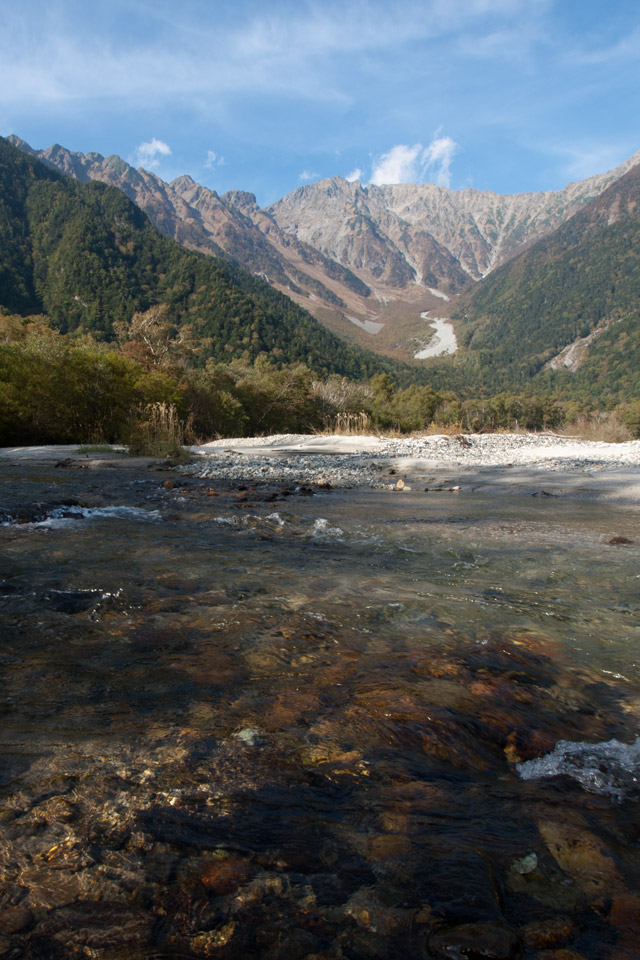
point(530, 464)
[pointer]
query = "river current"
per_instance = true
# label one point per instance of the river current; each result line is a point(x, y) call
point(291, 723)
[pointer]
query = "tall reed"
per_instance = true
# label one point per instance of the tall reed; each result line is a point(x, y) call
point(157, 431)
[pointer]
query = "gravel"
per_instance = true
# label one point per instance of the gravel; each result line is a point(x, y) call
point(273, 460)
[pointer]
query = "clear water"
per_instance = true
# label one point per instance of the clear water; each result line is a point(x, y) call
point(258, 724)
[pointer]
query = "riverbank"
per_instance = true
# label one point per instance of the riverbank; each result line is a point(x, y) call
point(533, 464)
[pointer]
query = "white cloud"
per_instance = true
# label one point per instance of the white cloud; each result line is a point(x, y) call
point(354, 175)
point(399, 165)
point(308, 175)
point(437, 159)
point(214, 160)
point(148, 154)
point(415, 164)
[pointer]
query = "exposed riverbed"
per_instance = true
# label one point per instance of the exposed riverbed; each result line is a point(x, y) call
point(443, 340)
point(273, 719)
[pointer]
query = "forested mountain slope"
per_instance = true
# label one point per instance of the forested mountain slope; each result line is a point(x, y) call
point(87, 257)
point(231, 226)
point(569, 304)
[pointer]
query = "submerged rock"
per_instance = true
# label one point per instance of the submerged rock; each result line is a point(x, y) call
point(475, 941)
point(579, 853)
point(220, 877)
point(548, 933)
point(15, 920)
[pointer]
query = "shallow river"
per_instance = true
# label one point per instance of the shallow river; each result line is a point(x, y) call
point(282, 724)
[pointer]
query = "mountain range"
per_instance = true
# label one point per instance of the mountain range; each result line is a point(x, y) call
point(539, 287)
point(88, 258)
point(364, 260)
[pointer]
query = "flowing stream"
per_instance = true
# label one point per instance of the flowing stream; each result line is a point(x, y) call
point(274, 723)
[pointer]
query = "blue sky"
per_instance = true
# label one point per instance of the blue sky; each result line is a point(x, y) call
point(504, 95)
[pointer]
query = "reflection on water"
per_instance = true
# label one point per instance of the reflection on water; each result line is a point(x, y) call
point(244, 723)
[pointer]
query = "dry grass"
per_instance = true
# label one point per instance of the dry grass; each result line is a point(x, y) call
point(158, 432)
point(604, 427)
point(350, 424)
point(442, 429)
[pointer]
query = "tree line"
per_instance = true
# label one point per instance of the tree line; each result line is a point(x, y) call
point(56, 388)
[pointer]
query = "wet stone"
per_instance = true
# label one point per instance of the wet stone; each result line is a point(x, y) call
point(548, 933)
point(579, 854)
point(225, 876)
point(297, 945)
point(564, 954)
point(545, 884)
point(15, 920)
point(71, 601)
point(624, 914)
point(56, 809)
point(51, 890)
point(210, 943)
point(459, 889)
point(475, 941)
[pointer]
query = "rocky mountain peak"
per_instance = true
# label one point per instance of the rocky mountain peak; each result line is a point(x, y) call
point(479, 230)
point(193, 192)
point(241, 200)
point(21, 144)
point(184, 182)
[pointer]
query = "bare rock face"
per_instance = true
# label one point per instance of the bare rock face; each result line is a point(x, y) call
point(440, 234)
point(233, 226)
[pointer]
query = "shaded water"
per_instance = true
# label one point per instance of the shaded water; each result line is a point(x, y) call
point(267, 723)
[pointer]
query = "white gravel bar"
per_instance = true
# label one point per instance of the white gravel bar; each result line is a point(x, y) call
point(538, 464)
point(582, 468)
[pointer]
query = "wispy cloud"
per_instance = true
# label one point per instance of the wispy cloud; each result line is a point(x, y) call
point(582, 160)
point(148, 154)
point(355, 174)
point(437, 159)
point(282, 84)
point(413, 164)
point(288, 49)
point(308, 175)
point(214, 160)
point(621, 51)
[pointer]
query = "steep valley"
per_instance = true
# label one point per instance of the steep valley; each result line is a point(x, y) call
point(517, 278)
point(364, 260)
